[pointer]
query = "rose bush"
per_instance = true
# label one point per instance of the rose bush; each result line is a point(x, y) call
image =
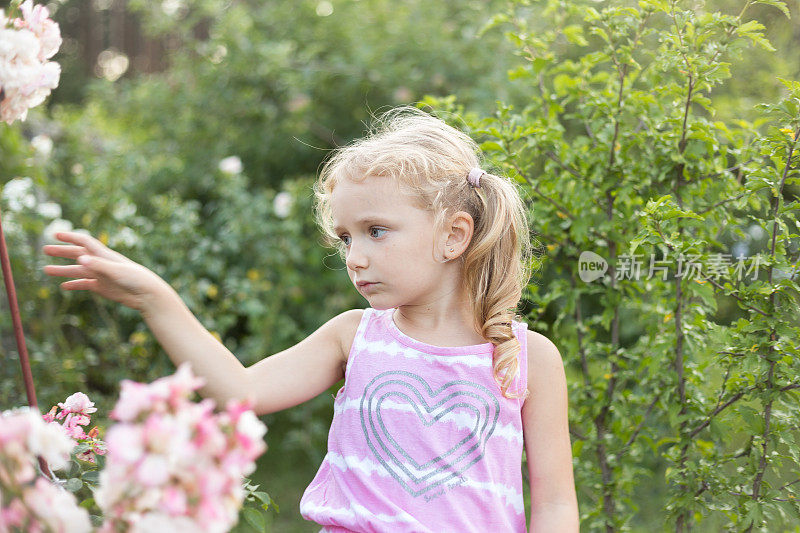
point(29, 502)
point(169, 463)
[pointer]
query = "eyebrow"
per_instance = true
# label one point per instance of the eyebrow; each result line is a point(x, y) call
point(362, 221)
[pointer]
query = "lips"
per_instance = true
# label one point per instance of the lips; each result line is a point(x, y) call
point(366, 285)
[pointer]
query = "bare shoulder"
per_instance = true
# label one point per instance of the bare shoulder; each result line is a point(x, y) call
point(546, 374)
point(542, 352)
point(347, 323)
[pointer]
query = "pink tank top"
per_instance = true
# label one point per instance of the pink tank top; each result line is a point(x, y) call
point(422, 440)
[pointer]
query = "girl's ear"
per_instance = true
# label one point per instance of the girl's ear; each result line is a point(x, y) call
point(456, 235)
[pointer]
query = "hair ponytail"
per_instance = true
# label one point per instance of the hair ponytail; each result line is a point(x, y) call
point(497, 269)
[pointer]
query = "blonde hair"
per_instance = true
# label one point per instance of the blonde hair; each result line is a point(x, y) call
point(430, 161)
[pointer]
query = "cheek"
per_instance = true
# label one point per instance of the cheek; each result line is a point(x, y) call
point(390, 253)
point(410, 255)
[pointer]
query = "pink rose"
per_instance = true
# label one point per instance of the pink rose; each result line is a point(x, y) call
point(78, 403)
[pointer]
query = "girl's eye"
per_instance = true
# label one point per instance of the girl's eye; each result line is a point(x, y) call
point(344, 238)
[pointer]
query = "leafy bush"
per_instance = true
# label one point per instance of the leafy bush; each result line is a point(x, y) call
point(683, 384)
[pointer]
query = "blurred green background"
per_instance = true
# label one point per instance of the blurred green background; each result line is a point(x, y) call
point(186, 135)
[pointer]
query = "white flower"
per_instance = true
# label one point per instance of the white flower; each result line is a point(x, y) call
point(54, 227)
point(56, 508)
point(153, 470)
point(126, 442)
point(50, 440)
point(219, 54)
point(43, 145)
point(36, 19)
point(49, 210)
point(172, 7)
point(25, 74)
point(19, 193)
point(108, 490)
point(756, 232)
point(231, 165)
point(125, 236)
point(18, 46)
point(249, 424)
point(26, 81)
point(163, 523)
point(282, 204)
point(124, 209)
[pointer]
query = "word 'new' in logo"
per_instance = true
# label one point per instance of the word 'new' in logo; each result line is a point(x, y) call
point(591, 266)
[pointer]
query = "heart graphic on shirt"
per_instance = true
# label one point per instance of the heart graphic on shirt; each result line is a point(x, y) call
point(397, 391)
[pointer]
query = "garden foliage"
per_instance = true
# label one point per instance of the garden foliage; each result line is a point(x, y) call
point(682, 357)
point(619, 121)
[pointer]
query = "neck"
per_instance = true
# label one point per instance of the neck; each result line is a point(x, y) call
point(447, 315)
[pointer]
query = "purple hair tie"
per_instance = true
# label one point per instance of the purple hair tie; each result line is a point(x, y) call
point(474, 176)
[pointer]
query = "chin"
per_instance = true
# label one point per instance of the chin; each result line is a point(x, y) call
point(379, 306)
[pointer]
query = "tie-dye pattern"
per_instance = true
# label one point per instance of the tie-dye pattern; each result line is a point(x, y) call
point(422, 440)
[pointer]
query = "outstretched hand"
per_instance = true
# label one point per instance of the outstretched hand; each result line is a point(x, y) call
point(102, 270)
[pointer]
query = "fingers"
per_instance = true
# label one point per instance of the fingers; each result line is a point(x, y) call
point(68, 271)
point(89, 243)
point(86, 244)
point(79, 285)
point(62, 250)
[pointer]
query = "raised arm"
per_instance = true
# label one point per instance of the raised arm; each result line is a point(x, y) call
point(277, 382)
point(305, 370)
point(554, 504)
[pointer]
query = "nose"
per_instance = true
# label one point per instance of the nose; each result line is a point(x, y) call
point(355, 257)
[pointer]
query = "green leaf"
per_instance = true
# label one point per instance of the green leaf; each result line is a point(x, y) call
point(749, 26)
point(263, 496)
point(753, 419)
point(496, 20)
point(574, 34)
point(492, 146)
point(792, 85)
point(706, 292)
point(776, 3)
point(255, 518)
point(600, 32)
point(577, 446)
point(87, 503)
point(91, 476)
point(752, 30)
point(73, 484)
point(517, 73)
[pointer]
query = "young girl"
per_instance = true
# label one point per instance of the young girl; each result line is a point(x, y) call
point(443, 385)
